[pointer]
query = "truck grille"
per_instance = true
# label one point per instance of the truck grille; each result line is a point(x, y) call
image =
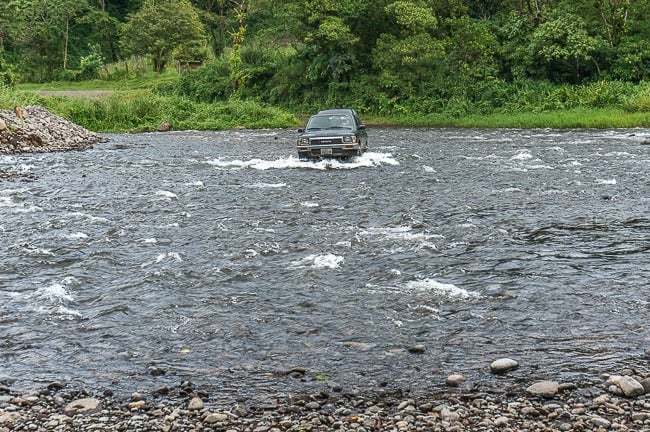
point(326, 141)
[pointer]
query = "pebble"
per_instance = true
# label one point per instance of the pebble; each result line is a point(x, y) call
point(546, 389)
point(455, 380)
point(501, 421)
point(82, 406)
point(216, 418)
point(503, 365)
point(137, 405)
point(417, 349)
point(600, 422)
point(195, 404)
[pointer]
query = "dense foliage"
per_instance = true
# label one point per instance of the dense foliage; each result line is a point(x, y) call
point(383, 56)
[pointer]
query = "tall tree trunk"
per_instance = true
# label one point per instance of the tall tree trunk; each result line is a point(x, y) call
point(65, 48)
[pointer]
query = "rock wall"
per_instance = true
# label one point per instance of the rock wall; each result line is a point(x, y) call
point(36, 130)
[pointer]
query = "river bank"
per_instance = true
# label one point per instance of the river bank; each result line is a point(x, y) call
point(609, 402)
point(144, 110)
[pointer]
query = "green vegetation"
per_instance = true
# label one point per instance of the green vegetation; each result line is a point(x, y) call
point(493, 63)
point(144, 111)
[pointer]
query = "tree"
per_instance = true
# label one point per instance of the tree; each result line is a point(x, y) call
point(409, 55)
point(159, 27)
point(562, 44)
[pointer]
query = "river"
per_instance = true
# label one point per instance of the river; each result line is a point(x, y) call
point(221, 259)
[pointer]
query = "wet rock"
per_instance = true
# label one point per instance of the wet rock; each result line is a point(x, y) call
point(455, 380)
point(545, 389)
point(600, 422)
point(566, 387)
point(3, 125)
point(647, 353)
point(417, 349)
point(137, 405)
point(501, 421)
point(8, 418)
point(601, 400)
point(195, 404)
point(136, 397)
point(503, 365)
point(82, 406)
point(629, 386)
point(165, 127)
point(615, 390)
point(216, 418)
point(530, 412)
point(156, 371)
point(646, 385)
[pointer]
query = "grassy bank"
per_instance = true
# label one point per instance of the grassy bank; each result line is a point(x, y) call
point(564, 119)
point(136, 107)
point(142, 110)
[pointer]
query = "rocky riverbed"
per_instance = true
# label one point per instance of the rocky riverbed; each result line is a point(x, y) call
point(609, 402)
point(36, 130)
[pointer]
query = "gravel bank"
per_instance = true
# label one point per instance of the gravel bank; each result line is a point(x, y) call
point(614, 402)
point(36, 130)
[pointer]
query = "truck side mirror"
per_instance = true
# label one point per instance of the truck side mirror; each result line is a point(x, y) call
point(301, 130)
point(362, 126)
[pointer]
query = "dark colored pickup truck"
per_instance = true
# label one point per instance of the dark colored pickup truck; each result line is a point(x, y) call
point(336, 133)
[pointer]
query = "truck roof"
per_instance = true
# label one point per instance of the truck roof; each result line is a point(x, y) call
point(339, 111)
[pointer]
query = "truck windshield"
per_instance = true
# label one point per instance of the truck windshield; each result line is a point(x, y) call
point(330, 122)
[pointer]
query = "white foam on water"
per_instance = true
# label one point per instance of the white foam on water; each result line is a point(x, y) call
point(309, 204)
point(17, 207)
point(449, 291)
point(346, 244)
point(404, 233)
point(327, 261)
point(265, 230)
point(169, 255)
point(197, 183)
point(166, 194)
point(91, 218)
point(522, 155)
point(35, 251)
point(507, 190)
point(428, 169)
point(150, 241)
point(251, 253)
point(55, 293)
point(69, 312)
point(575, 163)
point(395, 272)
point(606, 181)
point(540, 166)
point(267, 185)
point(76, 236)
point(367, 160)
point(7, 160)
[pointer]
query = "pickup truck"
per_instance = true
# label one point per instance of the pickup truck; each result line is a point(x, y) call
point(336, 133)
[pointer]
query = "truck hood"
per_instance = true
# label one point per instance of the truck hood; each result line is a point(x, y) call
point(327, 133)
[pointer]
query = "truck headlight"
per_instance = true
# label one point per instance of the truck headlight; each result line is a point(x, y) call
point(303, 141)
point(350, 139)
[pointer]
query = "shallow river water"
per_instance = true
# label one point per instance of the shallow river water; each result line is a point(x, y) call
point(222, 259)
